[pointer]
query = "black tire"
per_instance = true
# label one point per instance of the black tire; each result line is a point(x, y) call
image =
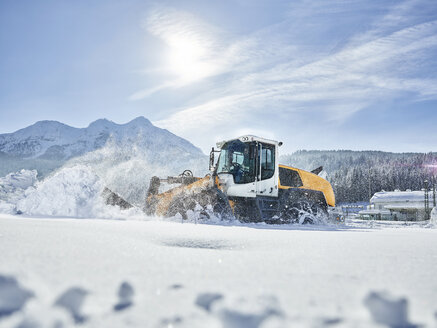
point(207, 203)
point(221, 206)
point(296, 211)
point(302, 207)
point(214, 201)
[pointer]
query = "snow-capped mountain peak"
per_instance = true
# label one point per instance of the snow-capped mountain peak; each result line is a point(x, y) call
point(139, 121)
point(55, 140)
point(101, 124)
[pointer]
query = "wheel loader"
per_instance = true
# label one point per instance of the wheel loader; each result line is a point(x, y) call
point(246, 183)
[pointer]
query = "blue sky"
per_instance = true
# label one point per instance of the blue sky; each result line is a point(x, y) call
point(314, 74)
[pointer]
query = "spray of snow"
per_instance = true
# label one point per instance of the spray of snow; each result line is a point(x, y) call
point(126, 166)
point(13, 187)
point(70, 192)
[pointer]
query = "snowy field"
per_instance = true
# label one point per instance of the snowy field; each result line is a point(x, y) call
point(60, 272)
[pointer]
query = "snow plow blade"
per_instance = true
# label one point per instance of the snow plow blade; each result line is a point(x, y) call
point(111, 198)
point(195, 198)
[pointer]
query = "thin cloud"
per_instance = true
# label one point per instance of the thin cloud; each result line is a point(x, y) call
point(349, 74)
point(340, 83)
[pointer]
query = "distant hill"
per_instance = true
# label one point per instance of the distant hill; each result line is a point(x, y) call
point(357, 174)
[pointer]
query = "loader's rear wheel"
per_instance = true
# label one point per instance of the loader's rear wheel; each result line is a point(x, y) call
point(299, 211)
point(303, 210)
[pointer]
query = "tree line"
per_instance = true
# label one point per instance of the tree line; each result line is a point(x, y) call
point(357, 175)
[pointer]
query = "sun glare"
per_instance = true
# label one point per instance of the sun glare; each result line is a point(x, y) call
point(187, 59)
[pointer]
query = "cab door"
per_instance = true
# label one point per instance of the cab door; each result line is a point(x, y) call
point(267, 175)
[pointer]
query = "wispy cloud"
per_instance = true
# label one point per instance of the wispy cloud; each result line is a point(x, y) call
point(276, 72)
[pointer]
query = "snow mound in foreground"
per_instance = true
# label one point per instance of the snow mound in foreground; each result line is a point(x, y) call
point(388, 310)
point(71, 192)
point(12, 296)
point(209, 309)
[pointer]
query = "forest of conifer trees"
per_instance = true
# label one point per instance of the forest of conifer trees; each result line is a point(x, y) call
point(356, 175)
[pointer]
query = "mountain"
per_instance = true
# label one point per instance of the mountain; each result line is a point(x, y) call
point(47, 145)
point(356, 175)
point(57, 141)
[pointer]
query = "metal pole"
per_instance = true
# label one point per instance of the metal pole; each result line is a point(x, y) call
point(370, 190)
point(427, 212)
point(433, 193)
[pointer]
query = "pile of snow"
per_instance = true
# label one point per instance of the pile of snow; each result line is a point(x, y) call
point(12, 296)
point(15, 183)
point(70, 192)
point(13, 187)
point(388, 310)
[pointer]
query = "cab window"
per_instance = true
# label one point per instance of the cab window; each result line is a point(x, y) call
point(238, 159)
point(267, 161)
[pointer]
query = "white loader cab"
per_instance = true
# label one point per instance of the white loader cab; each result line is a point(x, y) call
point(248, 167)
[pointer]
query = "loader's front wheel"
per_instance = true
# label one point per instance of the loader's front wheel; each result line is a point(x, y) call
point(221, 207)
point(202, 205)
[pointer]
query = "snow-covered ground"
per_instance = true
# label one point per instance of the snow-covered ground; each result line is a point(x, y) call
point(70, 259)
point(55, 272)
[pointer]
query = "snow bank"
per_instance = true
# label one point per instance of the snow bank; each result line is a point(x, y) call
point(12, 296)
point(18, 180)
point(72, 300)
point(388, 310)
point(71, 192)
point(13, 185)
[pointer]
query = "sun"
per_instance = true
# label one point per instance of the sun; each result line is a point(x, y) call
point(188, 58)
